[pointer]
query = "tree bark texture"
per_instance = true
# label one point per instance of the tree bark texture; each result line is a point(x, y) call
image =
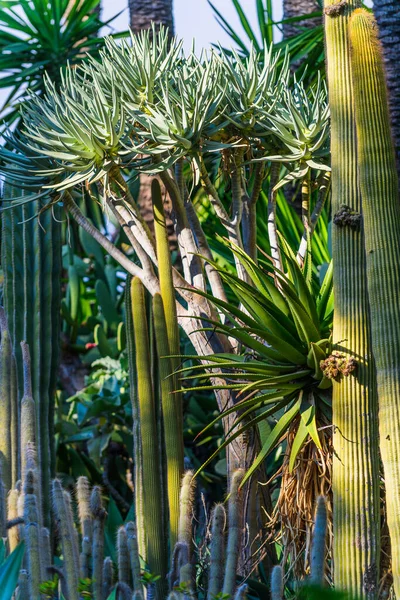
point(297, 8)
point(387, 13)
point(144, 12)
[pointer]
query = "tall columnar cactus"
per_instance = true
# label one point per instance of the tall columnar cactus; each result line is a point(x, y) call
point(167, 287)
point(172, 419)
point(31, 259)
point(356, 469)
point(217, 552)
point(137, 446)
point(5, 402)
point(319, 542)
point(235, 509)
point(68, 541)
point(156, 556)
point(381, 213)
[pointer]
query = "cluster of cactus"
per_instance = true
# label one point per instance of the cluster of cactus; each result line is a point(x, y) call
point(85, 568)
point(142, 544)
point(367, 310)
point(31, 262)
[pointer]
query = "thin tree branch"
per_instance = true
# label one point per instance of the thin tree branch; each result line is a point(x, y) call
point(323, 194)
point(249, 224)
point(192, 267)
point(272, 229)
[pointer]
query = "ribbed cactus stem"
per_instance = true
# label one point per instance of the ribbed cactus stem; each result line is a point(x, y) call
point(46, 560)
point(99, 515)
point(31, 261)
point(381, 210)
point(71, 573)
point(33, 545)
point(356, 518)
point(173, 433)
point(23, 585)
point(137, 595)
point(72, 528)
point(233, 547)
point(185, 534)
point(28, 409)
point(85, 519)
point(153, 505)
point(84, 512)
point(123, 556)
point(15, 420)
point(167, 286)
point(217, 552)
point(277, 583)
point(12, 513)
point(165, 269)
point(133, 549)
point(5, 402)
point(137, 446)
point(85, 557)
point(107, 577)
point(318, 543)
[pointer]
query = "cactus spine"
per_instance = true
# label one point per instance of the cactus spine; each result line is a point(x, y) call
point(381, 211)
point(152, 492)
point(356, 467)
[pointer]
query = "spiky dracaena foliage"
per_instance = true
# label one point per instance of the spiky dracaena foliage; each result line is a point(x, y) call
point(283, 324)
point(355, 460)
point(381, 211)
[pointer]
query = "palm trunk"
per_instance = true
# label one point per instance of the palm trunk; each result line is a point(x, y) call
point(144, 12)
point(387, 13)
point(298, 8)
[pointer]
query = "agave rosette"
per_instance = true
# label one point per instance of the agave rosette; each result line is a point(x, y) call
point(282, 322)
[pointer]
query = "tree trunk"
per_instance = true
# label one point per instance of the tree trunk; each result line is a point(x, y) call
point(387, 13)
point(144, 12)
point(297, 8)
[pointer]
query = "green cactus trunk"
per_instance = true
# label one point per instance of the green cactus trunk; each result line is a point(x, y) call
point(356, 516)
point(172, 423)
point(152, 485)
point(31, 259)
point(137, 448)
point(381, 212)
point(5, 403)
